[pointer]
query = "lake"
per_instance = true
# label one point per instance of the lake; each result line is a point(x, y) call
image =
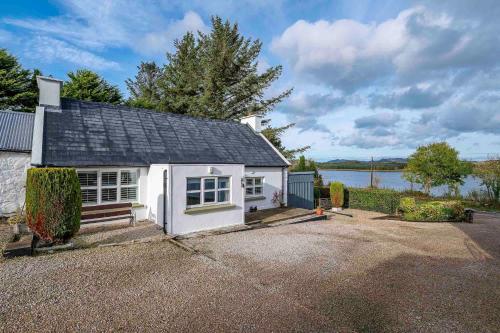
point(389, 179)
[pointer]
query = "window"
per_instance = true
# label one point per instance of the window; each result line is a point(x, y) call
point(108, 186)
point(207, 191)
point(88, 185)
point(253, 186)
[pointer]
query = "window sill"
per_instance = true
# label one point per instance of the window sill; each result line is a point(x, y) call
point(260, 197)
point(207, 209)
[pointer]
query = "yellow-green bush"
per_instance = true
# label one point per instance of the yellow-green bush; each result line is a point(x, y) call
point(53, 203)
point(337, 194)
point(433, 211)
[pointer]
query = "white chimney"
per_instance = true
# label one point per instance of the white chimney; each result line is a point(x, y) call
point(255, 122)
point(50, 91)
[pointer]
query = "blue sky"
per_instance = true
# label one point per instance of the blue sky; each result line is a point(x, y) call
point(370, 78)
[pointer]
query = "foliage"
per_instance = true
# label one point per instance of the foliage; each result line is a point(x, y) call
point(432, 211)
point(89, 86)
point(379, 200)
point(53, 202)
point(18, 217)
point(436, 164)
point(212, 75)
point(273, 134)
point(489, 173)
point(407, 205)
point(18, 89)
point(362, 165)
point(337, 194)
point(303, 165)
point(144, 90)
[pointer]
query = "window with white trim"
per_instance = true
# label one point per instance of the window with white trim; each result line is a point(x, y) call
point(254, 186)
point(204, 191)
point(108, 186)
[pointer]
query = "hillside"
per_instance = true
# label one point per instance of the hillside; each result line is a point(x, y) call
point(382, 164)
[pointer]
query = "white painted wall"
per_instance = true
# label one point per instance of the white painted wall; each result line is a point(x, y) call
point(13, 167)
point(273, 181)
point(185, 223)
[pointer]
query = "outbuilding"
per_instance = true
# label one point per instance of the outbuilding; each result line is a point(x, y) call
point(16, 130)
point(186, 174)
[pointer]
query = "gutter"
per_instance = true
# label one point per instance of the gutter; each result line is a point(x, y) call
point(165, 205)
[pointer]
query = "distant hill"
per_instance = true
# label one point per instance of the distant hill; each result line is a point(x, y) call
point(388, 164)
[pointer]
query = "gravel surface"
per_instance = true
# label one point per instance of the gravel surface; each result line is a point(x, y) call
point(349, 275)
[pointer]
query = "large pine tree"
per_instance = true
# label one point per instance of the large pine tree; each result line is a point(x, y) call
point(144, 90)
point(18, 90)
point(89, 86)
point(213, 75)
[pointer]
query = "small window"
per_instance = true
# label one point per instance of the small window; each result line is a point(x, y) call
point(108, 178)
point(128, 194)
point(88, 185)
point(88, 179)
point(207, 191)
point(254, 186)
point(89, 196)
point(104, 187)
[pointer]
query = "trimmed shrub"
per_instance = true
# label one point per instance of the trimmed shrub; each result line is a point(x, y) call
point(407, 204)
point(436, 211)
point(337, 194)
point(53, 203)
point(378, 200)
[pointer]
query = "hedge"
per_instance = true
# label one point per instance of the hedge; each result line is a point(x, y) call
point(53, 203)
point(378, 200)
point(432, 211)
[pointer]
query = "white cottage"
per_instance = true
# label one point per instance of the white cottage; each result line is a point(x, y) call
point(16, 130)
point(186, 174)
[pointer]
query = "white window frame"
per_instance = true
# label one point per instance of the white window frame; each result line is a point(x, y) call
point(253, 186)
point(91, 187)
point(118, 185)
point(216, 190)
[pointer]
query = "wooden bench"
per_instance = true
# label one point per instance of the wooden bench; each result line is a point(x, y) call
point(106, 213)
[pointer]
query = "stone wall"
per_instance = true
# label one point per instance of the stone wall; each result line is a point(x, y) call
point(13, 167)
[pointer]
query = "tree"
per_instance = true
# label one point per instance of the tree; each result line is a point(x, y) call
point(308, 165)
point(436, 164)
point(215, 75)
point(89, 86)
point(489, 173)
point(273, 134)
point(144, 90)
point(18, 89)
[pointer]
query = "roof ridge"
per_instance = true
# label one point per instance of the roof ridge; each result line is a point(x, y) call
point(172, 114)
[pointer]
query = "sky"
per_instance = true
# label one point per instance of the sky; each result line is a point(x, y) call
point(370, 78)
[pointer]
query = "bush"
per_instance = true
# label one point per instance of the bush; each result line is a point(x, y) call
point(337, 194)
point(378, 200)
point(407, 204)
point(436, 211)
point(324, 191)
point(53, 203)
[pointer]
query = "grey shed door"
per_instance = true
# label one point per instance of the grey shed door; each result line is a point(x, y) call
point(301, 190)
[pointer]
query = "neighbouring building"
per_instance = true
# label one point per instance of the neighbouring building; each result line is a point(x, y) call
point(16, 131)
point(186, 174)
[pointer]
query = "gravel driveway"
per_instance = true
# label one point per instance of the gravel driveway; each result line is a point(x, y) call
point(365, 274)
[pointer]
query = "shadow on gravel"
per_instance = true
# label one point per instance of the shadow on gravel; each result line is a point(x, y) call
point(416, 293)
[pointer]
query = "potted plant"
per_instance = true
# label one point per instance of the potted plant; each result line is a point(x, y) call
point(319, 210)
point(18, 222)
point(337, 196)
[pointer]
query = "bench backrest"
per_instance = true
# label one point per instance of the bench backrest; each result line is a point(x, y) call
point(106, 211)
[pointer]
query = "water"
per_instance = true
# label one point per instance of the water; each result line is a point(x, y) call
point(389, 179)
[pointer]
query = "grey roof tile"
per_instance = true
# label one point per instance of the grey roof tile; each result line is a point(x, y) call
point(16, 131)
point(99, 134)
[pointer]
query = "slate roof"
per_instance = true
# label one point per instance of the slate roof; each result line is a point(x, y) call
point(99, 134)
point(16, 131)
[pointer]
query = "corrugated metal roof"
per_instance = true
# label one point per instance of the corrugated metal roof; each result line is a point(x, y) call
point(16, 130)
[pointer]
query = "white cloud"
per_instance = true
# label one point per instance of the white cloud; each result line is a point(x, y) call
point(52, 50)
point(5, 36)
point(97, 25)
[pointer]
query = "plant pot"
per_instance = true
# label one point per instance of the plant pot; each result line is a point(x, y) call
point(319, 211)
